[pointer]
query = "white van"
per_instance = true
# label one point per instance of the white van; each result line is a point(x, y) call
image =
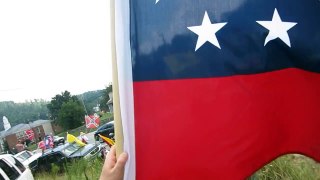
point(11, 169)
point(27, 157)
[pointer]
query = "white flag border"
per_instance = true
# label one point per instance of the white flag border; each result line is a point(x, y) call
point(123, 54)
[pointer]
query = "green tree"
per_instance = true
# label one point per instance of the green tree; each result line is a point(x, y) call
point(21, 112)
point(105, 98)
point(71, 115)
point(56, 103)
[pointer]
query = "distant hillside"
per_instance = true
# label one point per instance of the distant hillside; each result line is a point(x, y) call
point(37, 109)
point(91, 99)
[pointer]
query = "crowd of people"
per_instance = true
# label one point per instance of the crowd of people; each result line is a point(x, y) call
point(113, 168)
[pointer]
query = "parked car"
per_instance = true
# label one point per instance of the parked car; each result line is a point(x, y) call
point(27, 157)
point(106, 130)
point(60, 155)
point(57, 140)
point(11, 168)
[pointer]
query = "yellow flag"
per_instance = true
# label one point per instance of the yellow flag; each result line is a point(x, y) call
point(71, 139)
point(109, 141)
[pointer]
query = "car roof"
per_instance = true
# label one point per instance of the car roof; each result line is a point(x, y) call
point(56, 149)
point(19, 153)
point(8, 157)
point(106, 124)
point(5, 156)
point(62, 147)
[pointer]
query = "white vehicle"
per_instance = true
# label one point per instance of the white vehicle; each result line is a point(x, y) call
point(27, 157)
point(57, 140)
point(11, 168)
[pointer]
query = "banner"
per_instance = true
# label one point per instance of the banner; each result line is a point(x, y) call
point(239, 78)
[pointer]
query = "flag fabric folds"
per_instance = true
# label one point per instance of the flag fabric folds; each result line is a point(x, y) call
point(240, 78)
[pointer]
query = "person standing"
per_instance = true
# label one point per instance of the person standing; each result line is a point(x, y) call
point(19, 146)
point(83, 138)
point(48, 140)
point(41, 145)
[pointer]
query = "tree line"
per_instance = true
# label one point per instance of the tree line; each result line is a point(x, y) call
point(65, 109)
point(23, 112)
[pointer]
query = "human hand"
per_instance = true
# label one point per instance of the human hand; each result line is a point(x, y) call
point(113, 168)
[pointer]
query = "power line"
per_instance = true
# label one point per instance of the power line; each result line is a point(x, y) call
point(81, 97)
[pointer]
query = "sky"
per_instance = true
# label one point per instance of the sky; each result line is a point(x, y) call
point(47, 47)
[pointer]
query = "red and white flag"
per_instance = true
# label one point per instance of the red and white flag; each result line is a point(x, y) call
point(30, 134)
point(92, 121)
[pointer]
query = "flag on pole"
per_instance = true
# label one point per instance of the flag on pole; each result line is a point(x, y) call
point(72, 139)
point(241, 78)
point(107, 140)
point(92, 121)
point(48, 140)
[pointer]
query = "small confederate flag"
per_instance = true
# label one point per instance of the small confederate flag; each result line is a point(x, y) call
point(92, 121)
point(29, 133)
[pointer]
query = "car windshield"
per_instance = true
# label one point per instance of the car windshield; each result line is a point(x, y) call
point(72, 148)
point(24, 156)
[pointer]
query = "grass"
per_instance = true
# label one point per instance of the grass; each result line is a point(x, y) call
point(288, 167)
point(79, 170)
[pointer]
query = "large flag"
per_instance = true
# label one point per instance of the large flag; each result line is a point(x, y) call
point(239, 78)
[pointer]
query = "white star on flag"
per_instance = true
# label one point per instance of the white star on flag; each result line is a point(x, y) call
point(207, 32)
point(157, 1)
point(277, 28)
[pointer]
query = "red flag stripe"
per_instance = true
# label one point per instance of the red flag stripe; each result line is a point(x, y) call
point(240, 123)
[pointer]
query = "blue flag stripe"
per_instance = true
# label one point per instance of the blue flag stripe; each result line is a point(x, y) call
point(164, 48)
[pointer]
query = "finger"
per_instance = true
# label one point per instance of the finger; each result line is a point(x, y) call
point(121, 162)
point(111, 158)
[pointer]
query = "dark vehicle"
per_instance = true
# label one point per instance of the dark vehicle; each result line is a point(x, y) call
point(106, 130)
point(60, 155)
point(58, 140)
